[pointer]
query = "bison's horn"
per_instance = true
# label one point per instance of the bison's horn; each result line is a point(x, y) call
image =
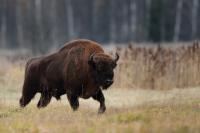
point(117, 57)
point(91, 60)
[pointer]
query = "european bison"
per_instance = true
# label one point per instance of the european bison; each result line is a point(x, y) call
point(79, 69)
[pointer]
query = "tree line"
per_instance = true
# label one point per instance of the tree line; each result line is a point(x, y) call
point(42, 24)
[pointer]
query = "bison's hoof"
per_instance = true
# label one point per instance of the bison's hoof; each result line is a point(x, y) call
point(21, 102)
point(39, 105)
point(102, 110)
point(75, 106)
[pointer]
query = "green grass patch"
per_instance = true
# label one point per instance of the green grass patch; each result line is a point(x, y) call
point(129, 117)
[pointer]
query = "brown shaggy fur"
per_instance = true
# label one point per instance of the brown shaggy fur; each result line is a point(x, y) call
point(79, 69)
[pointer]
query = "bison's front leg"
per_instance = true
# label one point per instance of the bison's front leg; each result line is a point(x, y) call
point(73, 100)
point(100, 97)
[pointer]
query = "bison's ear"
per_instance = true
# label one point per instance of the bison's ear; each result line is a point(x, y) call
point(116, 58)
point(91, 60)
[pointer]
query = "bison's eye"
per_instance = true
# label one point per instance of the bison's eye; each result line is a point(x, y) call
point(114, 65)
point(100, 66)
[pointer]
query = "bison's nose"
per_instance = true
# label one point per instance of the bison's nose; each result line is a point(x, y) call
point(109, 82)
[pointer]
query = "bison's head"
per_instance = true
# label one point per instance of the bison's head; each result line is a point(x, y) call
point(102, 68)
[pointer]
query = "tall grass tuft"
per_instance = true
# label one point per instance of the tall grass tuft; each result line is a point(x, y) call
point(158, 67)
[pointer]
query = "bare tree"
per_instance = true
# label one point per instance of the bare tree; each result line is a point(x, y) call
point(53, 21)
point(2, 25)
point(3, 33)
point(178, 20)
point(112, 22)
point(133, 19)
point(19, 22)
point(11, 25)
point(195, 5)
point(147, 17)
point(70, 19)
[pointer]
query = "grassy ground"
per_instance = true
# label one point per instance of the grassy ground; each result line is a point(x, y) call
point(139, 111)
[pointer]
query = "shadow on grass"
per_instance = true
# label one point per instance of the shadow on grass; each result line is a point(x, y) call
point(10, 112)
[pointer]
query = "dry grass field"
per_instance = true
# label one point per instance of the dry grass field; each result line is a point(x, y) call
point(139, 111)
point(156, 90)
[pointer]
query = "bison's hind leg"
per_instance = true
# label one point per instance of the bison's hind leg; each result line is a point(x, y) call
point(73, 100)
point(44, 99)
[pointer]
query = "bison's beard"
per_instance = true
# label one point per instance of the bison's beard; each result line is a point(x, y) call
point(101, 82)
point(106, 86)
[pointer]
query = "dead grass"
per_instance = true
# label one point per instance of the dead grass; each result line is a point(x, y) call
point(140, 111)
point(144, 118)
point(158, 67)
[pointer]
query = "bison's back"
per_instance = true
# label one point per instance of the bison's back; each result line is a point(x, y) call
point(93, 46)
